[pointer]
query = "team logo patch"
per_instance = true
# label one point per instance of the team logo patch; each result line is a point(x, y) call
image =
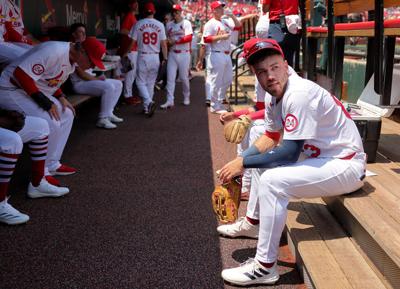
point(291, 122)
point(38, 69)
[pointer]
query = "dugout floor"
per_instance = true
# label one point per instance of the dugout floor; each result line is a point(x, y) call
point(139, 212)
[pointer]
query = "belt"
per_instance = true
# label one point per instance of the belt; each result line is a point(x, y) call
point(181, 51)
point(274, 21)
point(144, 52)
point(217, 51)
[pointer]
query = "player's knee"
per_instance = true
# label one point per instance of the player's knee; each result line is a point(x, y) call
point(39, 125)
point(270, 183)
point(11, 142)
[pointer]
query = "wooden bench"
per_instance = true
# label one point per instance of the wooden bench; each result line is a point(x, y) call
point(78, 99)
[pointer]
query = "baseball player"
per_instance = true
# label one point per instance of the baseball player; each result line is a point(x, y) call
point(31, 84)
point(315, 124)
point(35, 133)
point(179, 33)
point(86, 82)
point(217, 32)
point(128, 23)
point(204, 53)
point(14, 38)
point(149, 35)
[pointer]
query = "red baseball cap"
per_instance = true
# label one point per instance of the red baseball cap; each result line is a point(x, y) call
point(255, 45)
point(149, 7)
point(236, 12)
point(95, 50)
point(217, 4)
point(176, 7)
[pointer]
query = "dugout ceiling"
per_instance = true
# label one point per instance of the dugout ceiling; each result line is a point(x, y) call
point(100, 16)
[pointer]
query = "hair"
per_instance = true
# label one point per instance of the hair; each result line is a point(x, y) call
point(261, 55)
point(75, 27)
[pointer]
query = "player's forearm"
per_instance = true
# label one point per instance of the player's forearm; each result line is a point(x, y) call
point(238, 25)
point(202, 53)
point(185, 39)
point(265, 8)
point(84, 75)
point(265, 143)
point(164, 48)
point(288, 152)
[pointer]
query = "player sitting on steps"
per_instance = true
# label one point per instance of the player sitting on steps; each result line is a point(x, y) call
point(314, 123)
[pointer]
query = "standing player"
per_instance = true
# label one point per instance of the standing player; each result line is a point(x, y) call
point(149, 35)
point(128, 23)
point(313, 122)
point(31, 84)
point(179, 33)
point(217, 33)
point(35, 133)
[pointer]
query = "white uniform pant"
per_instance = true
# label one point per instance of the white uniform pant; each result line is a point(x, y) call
point(147, 71)
point(178, 62)
point(131, 75)
point(220, 77)
point(109, 90)
point(272, 189)
point(208, 81)
point(256, 129)
point(59, 130)
point(10, 51)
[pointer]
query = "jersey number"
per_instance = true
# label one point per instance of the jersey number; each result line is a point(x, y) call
point(150, 38)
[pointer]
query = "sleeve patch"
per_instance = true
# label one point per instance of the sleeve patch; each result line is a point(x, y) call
point(291, 122)
point(37, 69)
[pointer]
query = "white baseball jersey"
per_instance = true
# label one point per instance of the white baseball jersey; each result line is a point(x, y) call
point(309, 112)
point(3, 17)
point(235, 33)
point(176, 31)
point(13, 15)
point(47, 64)
point(215, 27)
point(148, 33)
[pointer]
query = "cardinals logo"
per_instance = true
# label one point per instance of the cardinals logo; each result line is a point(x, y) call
point(311, 150)
point(53, 82)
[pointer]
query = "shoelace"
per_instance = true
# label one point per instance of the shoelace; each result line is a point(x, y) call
point(252, 262)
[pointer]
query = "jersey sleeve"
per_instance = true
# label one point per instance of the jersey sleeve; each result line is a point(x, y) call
point(209, 30)
point(188, 28)
point(133, 33)
point(300, 116)
point(36, 65)
point(162, 33)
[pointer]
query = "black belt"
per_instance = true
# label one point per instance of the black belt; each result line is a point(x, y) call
point(274, 21)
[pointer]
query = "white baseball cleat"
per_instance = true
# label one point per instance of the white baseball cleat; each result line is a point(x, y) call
point(105, 123)
point(45, 190)
point(11, 216)
point(217, 109)
point(116, 119)
point(186, 101)
point(241, 228)
point(251, 272)
point(167, 104)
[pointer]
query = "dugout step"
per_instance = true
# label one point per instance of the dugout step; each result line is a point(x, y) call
point(326, 256)
point(372, 217)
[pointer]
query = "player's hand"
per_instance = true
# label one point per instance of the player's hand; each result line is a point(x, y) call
point(225, 36)
point(53, 112)
point(171, 41)
point(66, 104)
point(199, 65)
point(230, 170)
point(226, 117)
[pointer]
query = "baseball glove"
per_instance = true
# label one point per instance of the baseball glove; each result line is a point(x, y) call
point(126, 64)
point(226, 200)
point(162, 71)
point(235, 130)
point(12, 120)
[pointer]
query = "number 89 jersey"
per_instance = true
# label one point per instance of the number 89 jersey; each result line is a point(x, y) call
point(148, 33)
